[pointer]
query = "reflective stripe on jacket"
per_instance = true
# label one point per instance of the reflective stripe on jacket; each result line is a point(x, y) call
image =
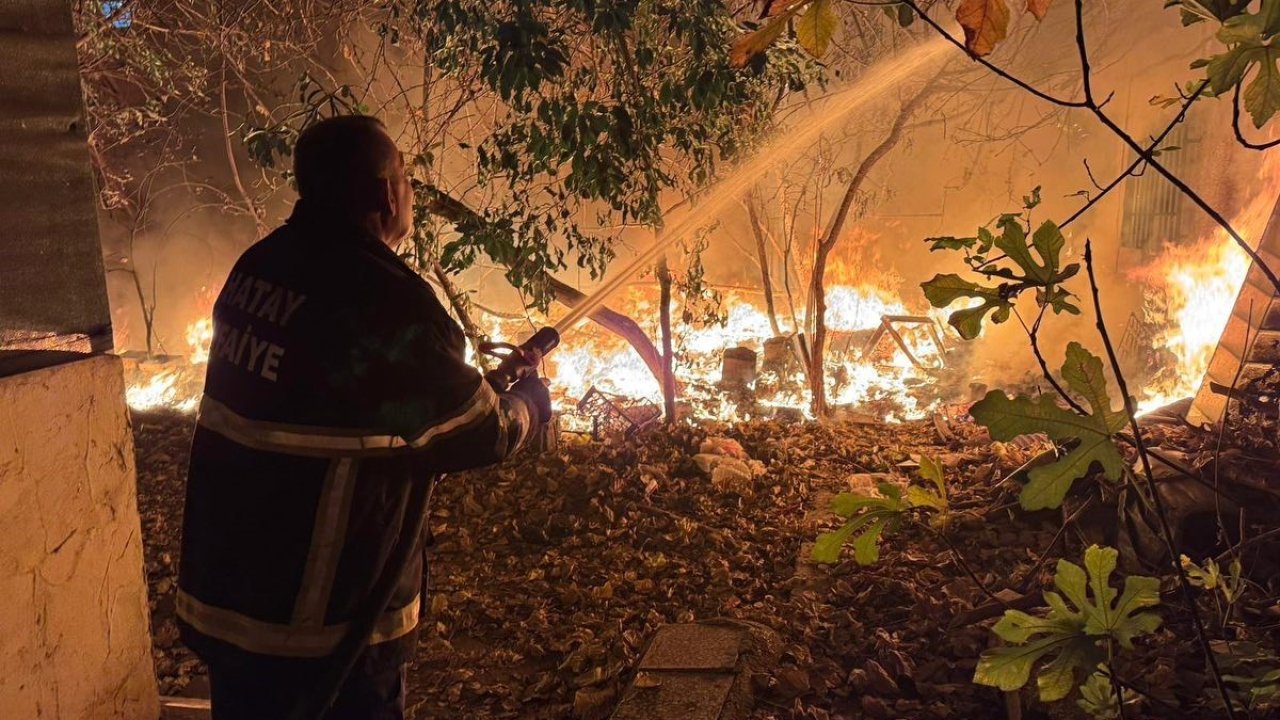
point(335, 377)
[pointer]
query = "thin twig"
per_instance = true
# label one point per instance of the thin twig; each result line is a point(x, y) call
point(1239, 548)
point(1044, 555)
point(1157, 502)
point(106, 21)
point(988, 64)
point(963, 564)
point(1033, 333)
point(1133, 167)
point(232, 165)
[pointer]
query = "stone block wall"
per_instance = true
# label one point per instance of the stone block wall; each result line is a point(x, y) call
point(74, 638)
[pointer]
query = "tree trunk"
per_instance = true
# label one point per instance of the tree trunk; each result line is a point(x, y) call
point(817, 288)
point(766, 282)
point(446, 206)
point(459, 305)
point(616, 323)
point(250, 206)
point(668, 358)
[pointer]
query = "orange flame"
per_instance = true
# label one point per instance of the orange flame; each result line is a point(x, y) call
point(1201, 283)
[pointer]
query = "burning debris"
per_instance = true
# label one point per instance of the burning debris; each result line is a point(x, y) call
point(887, 322)
point(616, 416)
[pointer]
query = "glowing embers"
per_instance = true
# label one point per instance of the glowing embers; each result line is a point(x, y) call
point(742, 368)
point(170, 381)
point(157, 384)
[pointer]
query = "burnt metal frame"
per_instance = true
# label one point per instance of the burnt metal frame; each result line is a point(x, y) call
point(886, 326)
point(613, 414)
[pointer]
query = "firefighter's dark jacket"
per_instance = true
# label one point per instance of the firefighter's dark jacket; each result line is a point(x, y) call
point(335, 377)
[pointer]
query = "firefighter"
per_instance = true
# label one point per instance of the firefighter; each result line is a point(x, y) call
point(335, 379)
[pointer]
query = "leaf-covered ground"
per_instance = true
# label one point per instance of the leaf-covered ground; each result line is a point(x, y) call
point(551, 572)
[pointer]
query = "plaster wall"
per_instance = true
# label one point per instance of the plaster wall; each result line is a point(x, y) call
point(74, 640)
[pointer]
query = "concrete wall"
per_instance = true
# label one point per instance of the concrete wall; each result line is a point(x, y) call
point(52, 294)
point(74, 640)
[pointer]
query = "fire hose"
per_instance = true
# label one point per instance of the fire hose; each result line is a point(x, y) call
point(517, 362)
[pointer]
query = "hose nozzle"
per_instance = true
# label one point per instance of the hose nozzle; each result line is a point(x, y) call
point(519, 361)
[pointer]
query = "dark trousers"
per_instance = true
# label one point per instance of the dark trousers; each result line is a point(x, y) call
point(254, 687)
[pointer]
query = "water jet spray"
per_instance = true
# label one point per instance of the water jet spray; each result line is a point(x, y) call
point(519, 361)
point(890, 73)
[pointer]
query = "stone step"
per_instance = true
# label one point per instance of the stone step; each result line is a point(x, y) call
point(699, 671)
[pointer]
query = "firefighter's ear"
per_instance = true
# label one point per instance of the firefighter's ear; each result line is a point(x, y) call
point(386, 199)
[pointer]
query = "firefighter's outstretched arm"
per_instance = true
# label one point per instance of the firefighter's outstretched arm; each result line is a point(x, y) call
point(486, 428)
point(445, 411)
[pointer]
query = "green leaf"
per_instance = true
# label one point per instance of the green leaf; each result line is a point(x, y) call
point(920, 497)
point(1106, 616)
point(1058, 676)
point(1262, 96)
point(947, 242)
point(1007, 418)
point(931, 470)
point(986, 240)
point(1249, 40)
point(1098, 698)
point(826, 549)
point(943, 290)
point(1244, 28)
point(1009, 668)
point(1032, 200)
point(816, 27)
point(1068, 637)
point(892, 493)
point(869, 517)
point(1017, 627)
point(1226, 70)
point(1037, 267)
point(866, 548)
point(847, 504)
point(1047, 242)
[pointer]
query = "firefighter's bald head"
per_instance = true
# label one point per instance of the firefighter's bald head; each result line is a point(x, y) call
point(349, 165)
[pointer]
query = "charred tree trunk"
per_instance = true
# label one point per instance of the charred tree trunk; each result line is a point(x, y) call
point(668, 358)
point(817, 288)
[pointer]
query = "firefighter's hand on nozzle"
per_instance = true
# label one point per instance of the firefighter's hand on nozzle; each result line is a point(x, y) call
point(533, 391)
